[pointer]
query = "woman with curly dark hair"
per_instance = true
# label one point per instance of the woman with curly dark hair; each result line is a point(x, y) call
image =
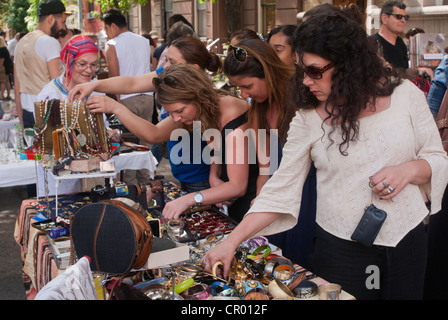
point(373, 140)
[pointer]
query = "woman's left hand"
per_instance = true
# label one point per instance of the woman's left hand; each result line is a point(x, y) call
point(102, 103)
point(389, 181)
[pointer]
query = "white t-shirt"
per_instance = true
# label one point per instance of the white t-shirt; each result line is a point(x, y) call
point(47, 48)
point(133, 54)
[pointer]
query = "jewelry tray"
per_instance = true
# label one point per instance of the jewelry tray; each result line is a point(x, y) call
point(201, 224)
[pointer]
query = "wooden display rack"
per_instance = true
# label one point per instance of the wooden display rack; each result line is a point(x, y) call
point(54, 123)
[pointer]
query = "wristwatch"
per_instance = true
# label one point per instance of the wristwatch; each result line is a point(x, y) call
point(198, 197)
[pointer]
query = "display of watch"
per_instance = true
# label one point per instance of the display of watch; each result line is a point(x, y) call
point(198, 197)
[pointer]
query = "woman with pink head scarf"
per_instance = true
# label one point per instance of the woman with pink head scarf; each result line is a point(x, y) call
point(80, 58)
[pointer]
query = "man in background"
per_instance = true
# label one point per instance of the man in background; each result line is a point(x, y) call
point(393, 22)
point(36, 60)
point(129, 54)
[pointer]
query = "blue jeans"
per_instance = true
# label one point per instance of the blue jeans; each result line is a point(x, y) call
point(195, 186)
point(438, 86)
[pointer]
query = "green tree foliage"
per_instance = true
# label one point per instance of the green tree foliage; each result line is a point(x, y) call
point(123, 5)
point(14, 13)
point(21, 15)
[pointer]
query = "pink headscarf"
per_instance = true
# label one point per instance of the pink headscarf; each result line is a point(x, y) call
point(77, 47)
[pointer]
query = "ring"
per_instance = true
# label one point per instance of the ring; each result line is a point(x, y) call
point(370, 184)
point(385, 184)
point(390, 190)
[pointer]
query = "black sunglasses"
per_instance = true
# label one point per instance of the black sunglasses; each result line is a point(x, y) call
point(316, 73)
point(168, 80)
point(240, 54)
point(399, 16)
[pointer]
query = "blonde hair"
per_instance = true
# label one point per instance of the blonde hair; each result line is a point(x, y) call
point(189, 84)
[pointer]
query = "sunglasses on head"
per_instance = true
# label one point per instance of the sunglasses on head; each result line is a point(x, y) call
point(240, 54)
point(316, 73)
point(399, 16)
point(168, 80)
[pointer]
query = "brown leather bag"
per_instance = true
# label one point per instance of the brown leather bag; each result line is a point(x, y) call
point(115, 236)
point(442, 121)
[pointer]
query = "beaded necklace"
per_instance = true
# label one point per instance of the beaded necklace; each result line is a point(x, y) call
point(38, 132)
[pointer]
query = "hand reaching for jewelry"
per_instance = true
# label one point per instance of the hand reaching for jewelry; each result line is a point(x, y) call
point(81, 91)
point(223, 254)
point(102, 103)
point(175, 208)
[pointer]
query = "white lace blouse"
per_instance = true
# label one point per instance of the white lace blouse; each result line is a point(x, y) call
point(403, 132)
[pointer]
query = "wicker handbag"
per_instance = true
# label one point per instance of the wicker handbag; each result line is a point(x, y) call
point(442, 121)
point(116, 237)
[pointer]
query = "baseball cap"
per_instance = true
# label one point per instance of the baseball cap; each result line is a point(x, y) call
point(52, 7)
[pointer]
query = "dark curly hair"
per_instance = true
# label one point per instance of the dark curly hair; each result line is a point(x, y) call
point(359, 75)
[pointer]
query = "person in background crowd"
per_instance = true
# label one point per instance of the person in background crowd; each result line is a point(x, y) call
point(194, 176)
point(12, 48)
point(243, 34)
point(129, 54)
point(155, 38)
point(66, 34)
point(393, 22)
point(171, 21)
point(5, 71)
point(12, 45)
point(264, 78)
point(152, 45)
point(373, 140)
point(280, 38)
point(438, 86)
point(390, 45)
point(36, 59)
point(188, 95)
point(436, 281)
point(177, 31)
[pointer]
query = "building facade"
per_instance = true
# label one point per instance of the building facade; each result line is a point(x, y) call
point(216, 20)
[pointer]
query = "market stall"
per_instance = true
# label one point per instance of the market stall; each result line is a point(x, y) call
point(118, 230)
point(259, 272)
point(17, 172)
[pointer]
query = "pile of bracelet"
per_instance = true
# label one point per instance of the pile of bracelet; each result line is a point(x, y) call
point(256, 274)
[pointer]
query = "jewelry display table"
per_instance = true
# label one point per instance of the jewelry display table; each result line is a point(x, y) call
point(23, 172)
point(41, 264)
point(18, 173)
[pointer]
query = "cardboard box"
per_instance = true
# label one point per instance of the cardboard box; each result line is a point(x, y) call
point(426, 50)
point(165, 252)
point(86, 165)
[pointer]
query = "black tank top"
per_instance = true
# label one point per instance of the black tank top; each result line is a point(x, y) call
point(240, 206)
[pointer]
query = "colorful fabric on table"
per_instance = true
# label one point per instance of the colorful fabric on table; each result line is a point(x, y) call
point(77, 47)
